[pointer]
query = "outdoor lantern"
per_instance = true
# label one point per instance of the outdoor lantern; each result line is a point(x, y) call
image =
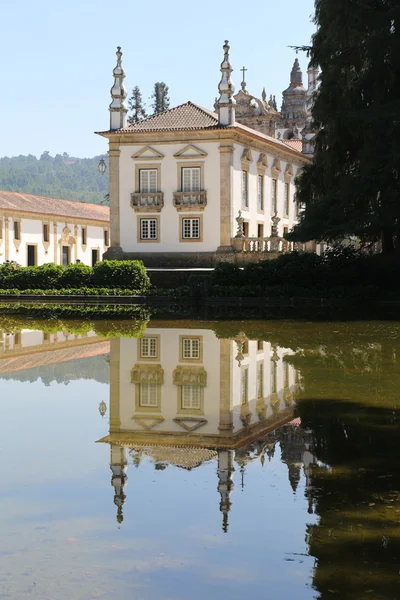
point(102, 408)
point(102, 166)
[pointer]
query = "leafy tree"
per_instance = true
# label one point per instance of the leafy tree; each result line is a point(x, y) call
point(353, 185)
point(136, 106)
point(63, 177)
point(160, 97)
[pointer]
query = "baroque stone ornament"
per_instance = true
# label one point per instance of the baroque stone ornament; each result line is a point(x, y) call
point(118, 110)
point(275, 222)
point(102, 408)
point(240, 222)
point(226, 102)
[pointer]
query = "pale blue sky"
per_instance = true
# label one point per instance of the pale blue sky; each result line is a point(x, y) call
point(57, 60)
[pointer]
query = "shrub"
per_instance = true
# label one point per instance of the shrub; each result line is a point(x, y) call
point(43, 277)
point(226, 274)
point(122, 274)
point(75, 276)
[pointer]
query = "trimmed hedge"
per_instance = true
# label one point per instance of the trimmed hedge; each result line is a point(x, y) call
point(130, 275)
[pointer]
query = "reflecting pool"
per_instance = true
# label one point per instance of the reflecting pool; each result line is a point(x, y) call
point(184, 459)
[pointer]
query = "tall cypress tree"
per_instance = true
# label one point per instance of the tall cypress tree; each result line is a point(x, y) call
point(353, 185)
point(160, 97)
point(136, 106)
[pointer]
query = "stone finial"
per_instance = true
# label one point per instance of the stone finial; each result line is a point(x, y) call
point(275, 222)
point(226, 103)
point(240, 221)
point(264, 95)
point(117, 108)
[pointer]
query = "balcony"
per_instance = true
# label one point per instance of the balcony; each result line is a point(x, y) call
point(147, 201)
point(190, 201)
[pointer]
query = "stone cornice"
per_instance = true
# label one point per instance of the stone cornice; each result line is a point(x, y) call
point(251, 139)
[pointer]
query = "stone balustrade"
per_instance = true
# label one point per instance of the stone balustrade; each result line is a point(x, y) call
point(263, 245)
point(190, 200)
point(147, 201)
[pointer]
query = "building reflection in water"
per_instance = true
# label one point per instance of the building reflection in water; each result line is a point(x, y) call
point(183, 397)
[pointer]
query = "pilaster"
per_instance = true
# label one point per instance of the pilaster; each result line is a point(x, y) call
point(114, 154)
point(115, 419)
point(226, 197)
point(6, 238)
point(55, 241)
point(225, 388)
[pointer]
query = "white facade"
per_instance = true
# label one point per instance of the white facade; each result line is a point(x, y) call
point(36, 239)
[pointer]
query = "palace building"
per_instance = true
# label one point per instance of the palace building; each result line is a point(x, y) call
point(35, 230)
point(183, 397)
point(193, 187)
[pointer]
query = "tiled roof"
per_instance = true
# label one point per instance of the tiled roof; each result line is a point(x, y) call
point(294, 144)
point(10, 363)
point(183, 117)
point(16, 202)
point(191, 117)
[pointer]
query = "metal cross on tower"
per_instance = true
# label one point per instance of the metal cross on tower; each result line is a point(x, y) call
point(243, 84)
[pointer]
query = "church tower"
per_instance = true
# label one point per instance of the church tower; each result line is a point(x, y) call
point(293, 113)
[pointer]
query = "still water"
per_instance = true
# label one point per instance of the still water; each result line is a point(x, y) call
point(178, 460)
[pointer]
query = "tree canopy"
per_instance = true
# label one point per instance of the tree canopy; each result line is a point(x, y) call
point(353, 186)
point(136, 106)
point(160, 97)
point(61, 176)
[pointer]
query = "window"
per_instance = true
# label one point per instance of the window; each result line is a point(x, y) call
point(31, 255)
point(46, 237)
point(106, 237)
point(245, 188)
point(148, 229)
point(274, 198)
point(148, 181)
point(260, 192)
point(190, 349)
point(149, 394)
point(191, 179)
point(260, 380)
point(17, 230)
point(191, 229)
point(245, 386)
point(260, 230)
point(191, 397)
point(286, 203)
point(260, 346)
point(148, 347)
point(65, 256)
point(95, 256)
point(84, 236)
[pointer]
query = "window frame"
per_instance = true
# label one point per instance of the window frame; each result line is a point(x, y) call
point(147, 170)
point(260, 193)
point(286, 200)
point(245, 188)
point(193, 164)
point(84, 235)
point(186, 359)
point(17, 232)
point(141, 356)
point(46, 227)
point(142, 218)
point(147, 167)
point(106, 238)
point(191, 170)
point(182, 219)
point(274, 195)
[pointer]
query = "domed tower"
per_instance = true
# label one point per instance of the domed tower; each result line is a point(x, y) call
point(294, 106)
point(254, 112)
